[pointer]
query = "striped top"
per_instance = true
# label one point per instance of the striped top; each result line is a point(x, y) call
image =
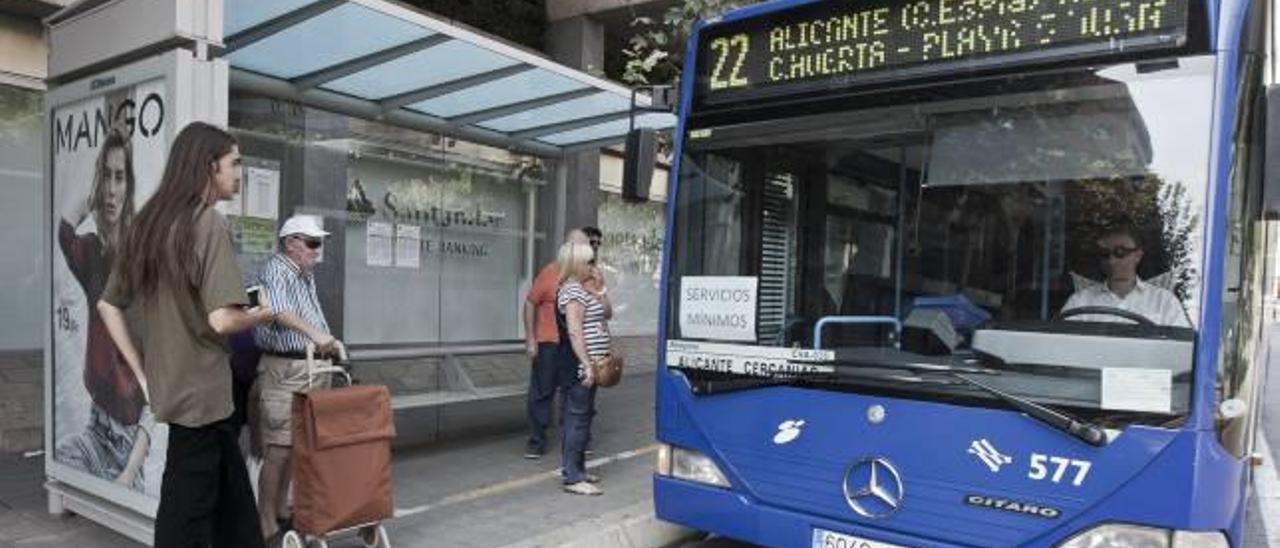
point(594, 330)
point(289, 290)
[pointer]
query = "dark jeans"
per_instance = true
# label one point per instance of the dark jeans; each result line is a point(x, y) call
point(544, 379)
point(580, 409)
point(205, 498)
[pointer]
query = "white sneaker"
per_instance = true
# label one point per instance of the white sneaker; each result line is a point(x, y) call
point(583, 488)
point(587, 477)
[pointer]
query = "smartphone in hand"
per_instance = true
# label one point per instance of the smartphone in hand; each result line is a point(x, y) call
point(255, 296)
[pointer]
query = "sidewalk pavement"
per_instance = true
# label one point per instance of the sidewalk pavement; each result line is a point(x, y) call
point(476, 491)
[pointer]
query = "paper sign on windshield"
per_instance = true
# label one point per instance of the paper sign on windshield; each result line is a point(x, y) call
point(718, 308)
point(1137, 389)
point(766, 361)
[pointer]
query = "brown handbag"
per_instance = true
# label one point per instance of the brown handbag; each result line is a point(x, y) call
point(607, 370)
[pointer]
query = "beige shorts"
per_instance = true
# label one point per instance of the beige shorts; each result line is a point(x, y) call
point(278, 380)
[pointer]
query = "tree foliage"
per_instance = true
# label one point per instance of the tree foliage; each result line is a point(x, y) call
point(1159, 210)
point(653, 53)
point(20, 114)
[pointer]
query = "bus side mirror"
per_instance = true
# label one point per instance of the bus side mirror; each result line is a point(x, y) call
point(1232, 409)
point(1271, 169)
point(637, 171)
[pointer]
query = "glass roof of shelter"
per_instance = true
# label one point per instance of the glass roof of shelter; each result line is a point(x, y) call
point(383, 59)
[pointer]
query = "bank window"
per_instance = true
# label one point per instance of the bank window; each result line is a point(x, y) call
point(422, 225)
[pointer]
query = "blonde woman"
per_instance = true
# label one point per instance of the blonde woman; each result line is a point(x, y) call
point(585, 314)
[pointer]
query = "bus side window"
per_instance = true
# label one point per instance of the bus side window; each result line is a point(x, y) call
point(1247, 239)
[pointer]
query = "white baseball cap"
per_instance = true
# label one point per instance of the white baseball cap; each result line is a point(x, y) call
point(306, 225)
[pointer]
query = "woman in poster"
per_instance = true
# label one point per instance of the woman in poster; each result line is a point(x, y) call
point(113, 444)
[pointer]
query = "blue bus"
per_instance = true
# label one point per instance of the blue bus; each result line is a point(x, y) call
point(966, 273)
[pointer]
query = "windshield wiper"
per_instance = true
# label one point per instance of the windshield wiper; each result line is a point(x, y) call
point(1059, 420)
point(738, 382)
point(707, 387)
point(1079, 429)
point(895, 360)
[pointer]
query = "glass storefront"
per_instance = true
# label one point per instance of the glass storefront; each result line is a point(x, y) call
point(430, 233)
point(21, 181)
point(631, 258)
point(436, 237)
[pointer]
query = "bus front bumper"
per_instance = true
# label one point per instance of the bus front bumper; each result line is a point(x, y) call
point(734, 515)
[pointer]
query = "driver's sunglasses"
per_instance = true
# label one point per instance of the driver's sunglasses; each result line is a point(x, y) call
point(312, 244)
point(594, 242)
point(1117, 252)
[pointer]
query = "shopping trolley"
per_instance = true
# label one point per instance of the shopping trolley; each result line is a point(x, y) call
point(341, 459)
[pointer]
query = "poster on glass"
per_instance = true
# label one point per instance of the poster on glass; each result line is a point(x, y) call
point(107, 152)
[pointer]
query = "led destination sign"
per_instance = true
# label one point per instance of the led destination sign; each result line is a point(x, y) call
point(840, 42)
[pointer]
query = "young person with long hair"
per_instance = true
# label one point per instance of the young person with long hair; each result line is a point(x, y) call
point(113, 444)
point(182, 277)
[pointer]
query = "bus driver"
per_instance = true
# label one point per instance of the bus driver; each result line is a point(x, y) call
point(1120, 251)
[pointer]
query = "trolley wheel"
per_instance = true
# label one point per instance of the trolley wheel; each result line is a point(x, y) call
point(380, 538)
point(292, 539)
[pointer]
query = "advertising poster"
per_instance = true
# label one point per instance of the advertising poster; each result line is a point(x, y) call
point(108, 152)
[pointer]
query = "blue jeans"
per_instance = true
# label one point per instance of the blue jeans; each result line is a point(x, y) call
point(580, 409)
point(544, 378)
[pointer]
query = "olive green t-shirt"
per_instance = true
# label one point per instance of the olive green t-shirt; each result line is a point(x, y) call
point(185, 361)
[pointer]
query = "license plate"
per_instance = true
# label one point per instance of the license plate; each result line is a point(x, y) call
point(823, 538)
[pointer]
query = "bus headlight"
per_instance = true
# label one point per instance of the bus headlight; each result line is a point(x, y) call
point(689, 465)
point(1137, 536)
point(1200, 539)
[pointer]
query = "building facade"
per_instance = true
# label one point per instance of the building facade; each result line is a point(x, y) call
point(22, 85)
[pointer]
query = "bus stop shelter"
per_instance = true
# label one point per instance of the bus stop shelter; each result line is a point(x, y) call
point(374, 58)
point(158, 66)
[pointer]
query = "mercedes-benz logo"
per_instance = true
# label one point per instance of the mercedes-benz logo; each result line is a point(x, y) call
point(872, 487)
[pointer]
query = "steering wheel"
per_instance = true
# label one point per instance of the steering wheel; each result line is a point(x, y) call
point(1108, 311)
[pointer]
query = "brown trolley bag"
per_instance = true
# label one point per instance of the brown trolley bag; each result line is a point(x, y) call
point(342, 458)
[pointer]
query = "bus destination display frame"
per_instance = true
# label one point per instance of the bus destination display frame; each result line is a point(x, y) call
point(838, 44)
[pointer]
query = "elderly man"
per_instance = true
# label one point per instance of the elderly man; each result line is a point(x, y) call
point(288, 281)
point(1120, 252)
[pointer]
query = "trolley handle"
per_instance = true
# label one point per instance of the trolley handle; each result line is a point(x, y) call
point(313, 370)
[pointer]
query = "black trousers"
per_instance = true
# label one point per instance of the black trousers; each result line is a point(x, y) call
point(205, 498)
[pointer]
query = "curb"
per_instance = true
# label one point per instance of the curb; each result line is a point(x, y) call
point(635, 526)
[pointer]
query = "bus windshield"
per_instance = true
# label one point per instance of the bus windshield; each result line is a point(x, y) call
point(1043, 230)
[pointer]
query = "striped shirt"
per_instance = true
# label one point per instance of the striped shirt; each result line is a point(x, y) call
point(289, 290)
point(594, 330)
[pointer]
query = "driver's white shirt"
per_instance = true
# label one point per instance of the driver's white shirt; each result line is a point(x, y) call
point(1155, 303)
